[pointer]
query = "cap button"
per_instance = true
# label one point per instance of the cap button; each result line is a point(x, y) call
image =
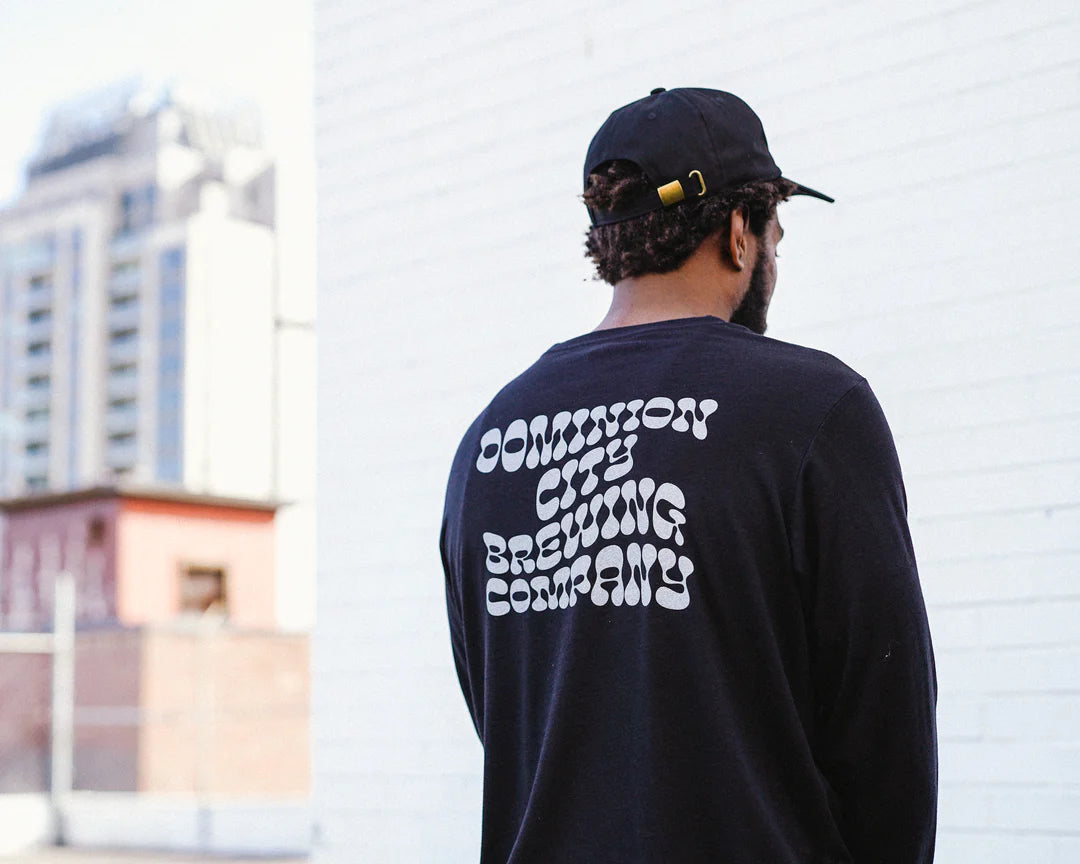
point(657, 90)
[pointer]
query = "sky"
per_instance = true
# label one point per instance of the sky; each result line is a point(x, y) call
point(51, 50)
point(239, 50)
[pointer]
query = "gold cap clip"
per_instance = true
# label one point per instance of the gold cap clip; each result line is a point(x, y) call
point(671, 193)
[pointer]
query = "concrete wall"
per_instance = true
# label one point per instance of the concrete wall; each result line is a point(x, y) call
point(255, 828)
point(26, 821)
point(24, 730)
point(109, 723)
point(224, 714)
point(450, 140)
point(196, 713)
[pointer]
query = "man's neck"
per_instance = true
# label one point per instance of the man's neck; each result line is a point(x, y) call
point(701, 286)
point(662, 297)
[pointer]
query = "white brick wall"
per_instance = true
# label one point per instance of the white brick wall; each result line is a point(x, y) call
point(450, 140)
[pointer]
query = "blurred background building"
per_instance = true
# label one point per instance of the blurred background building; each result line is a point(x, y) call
point(157, 434)
point(143, 412)
point(138, 289)
point(450, 139)
point(184, 683)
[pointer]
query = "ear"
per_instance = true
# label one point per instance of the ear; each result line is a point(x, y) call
point(738, 240)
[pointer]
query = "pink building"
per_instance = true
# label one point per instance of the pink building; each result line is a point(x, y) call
point(183, 684)
point(140, 555)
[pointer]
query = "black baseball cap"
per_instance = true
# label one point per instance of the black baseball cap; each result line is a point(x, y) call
point(690, 142)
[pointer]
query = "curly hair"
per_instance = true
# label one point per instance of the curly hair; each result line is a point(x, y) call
point(661, 241)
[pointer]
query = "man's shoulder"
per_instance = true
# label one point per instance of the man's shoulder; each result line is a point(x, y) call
point(801, 367)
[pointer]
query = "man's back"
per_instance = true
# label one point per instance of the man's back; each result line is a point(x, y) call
point(685, 609)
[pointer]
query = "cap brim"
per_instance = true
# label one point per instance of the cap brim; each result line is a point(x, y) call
point(813, 193)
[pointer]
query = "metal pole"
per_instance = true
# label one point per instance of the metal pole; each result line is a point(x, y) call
point(63, 696)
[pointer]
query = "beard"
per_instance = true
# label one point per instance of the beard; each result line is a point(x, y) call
point(751, 312)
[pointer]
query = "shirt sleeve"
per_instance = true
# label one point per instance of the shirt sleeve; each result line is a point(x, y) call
point(457, 628)
point(874, 678)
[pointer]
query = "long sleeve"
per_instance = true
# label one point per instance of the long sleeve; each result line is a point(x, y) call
point(873, 667)
point(457, 628)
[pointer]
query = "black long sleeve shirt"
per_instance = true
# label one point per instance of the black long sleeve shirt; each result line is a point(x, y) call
point(685, 611)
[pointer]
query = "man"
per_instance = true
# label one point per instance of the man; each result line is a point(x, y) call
point(684, 605)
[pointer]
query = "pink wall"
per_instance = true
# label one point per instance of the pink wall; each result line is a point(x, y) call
point(155, 538)
point(25, 598)
point(226, 713)
point(167, 709)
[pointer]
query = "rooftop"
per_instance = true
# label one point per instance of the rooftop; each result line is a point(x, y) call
point(105, 121)
point(145, 492)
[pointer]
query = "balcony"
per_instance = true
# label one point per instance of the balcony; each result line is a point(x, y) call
point(36, 463)
point(37, 428)
point(126, 246)
point(37, 398)
point(34, 257)
point(39, 330)
point(124, 317)
point(121, 419)
point(38, 364)
point(120, 386)
point(126, 351)
point(39, 298)
point(120, 452)
point(36, 482)
point(125, 283)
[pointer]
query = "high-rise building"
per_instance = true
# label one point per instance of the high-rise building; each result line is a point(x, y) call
point(137, 315)
point(146, 335)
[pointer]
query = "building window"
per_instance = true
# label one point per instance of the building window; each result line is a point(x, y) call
point(125, 269)
point(123, 337)
point(170, 372)
point(136, 209)
point(40, 315)
point(74, 353)
point(202, 590)
point(39, 349)
point(36, 482)
point(38, 382)
point(172, 265)
point(95, 532)
point(131, 301)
